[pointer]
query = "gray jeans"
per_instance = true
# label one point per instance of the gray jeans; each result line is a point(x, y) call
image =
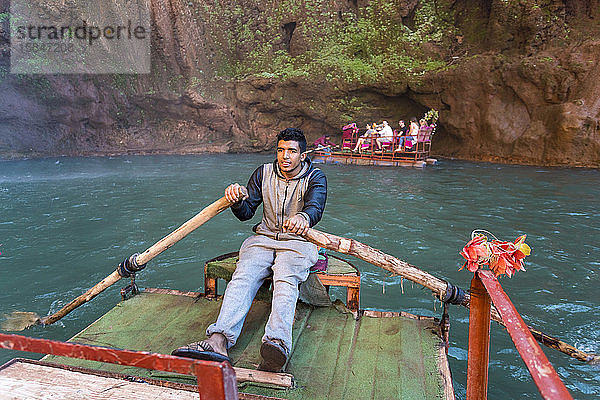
point(260, 256)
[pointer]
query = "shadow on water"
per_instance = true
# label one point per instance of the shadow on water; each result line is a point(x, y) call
point(66, 223)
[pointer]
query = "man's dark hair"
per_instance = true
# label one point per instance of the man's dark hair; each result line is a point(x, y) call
point(293, 134)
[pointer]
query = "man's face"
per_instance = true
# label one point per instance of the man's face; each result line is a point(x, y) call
point(289, 157)
point(401, 124)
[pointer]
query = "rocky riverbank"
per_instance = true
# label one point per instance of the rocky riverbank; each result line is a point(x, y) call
point(514, 81)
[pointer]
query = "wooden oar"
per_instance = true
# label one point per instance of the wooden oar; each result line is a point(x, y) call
point(317, 149)
point(19, 320)
point(436, 285)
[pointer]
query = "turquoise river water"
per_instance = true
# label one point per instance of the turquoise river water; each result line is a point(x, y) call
point(65, 223)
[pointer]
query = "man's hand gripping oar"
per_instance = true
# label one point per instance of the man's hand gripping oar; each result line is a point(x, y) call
point(441, 289)
point(19, 320)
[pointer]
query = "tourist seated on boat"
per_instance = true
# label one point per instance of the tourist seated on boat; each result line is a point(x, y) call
point(407, 142)
point(400, 132)
point(414, 127)
point(386, 136)
point(277, 249)
point(349, 132)
point(402, 128)
point(367, 136)
point(324, 141)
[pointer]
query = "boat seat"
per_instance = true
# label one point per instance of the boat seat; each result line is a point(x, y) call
point(338, 273)
point(386, 145)
point(348, 143)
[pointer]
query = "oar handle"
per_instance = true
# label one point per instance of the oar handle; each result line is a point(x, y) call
point(378, 258)
point(184, 230)
point(160, 246)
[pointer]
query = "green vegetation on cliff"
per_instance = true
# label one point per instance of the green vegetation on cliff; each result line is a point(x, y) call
point(310, 39)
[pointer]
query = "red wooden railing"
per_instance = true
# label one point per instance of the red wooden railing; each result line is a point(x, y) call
point(486, 289)
point(215, 380)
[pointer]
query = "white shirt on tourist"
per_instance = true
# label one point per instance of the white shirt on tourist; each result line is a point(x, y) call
point(387, 132)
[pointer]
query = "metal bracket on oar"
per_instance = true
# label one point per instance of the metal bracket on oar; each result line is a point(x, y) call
point(18, 321)
point(129, 266)
point(130, 290)
point(127, 269)
point(453, 295)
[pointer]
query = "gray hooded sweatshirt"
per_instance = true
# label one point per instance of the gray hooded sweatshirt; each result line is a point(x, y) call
point(305, 194)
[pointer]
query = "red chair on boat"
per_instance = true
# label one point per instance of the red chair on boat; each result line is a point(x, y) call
point(386, 145)
point(402, 144)
point(423, 144)
point(348, 133)
point(367, 144)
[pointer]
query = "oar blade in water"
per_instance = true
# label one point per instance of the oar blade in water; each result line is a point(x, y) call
point(20, 320)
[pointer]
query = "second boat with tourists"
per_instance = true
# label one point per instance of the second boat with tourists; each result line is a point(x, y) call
point(373, 148)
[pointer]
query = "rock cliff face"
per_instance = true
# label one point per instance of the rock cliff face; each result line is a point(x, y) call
point(537, 109)
point(530, 95)
point(514, 81)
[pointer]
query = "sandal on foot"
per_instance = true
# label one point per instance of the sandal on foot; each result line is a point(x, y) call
point(273, 356)
point(200, 351)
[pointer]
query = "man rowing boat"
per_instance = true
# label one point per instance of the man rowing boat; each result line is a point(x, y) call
point(324, 141)
point(293, 194)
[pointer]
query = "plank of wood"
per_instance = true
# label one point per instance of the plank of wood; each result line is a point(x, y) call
point(38, 382)
point(429, 344)
point(174, 292)
point(269, 378)
point(339, 280)
point(444, 369)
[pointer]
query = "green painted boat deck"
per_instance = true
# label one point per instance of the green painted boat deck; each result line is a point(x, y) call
point(334, 355)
